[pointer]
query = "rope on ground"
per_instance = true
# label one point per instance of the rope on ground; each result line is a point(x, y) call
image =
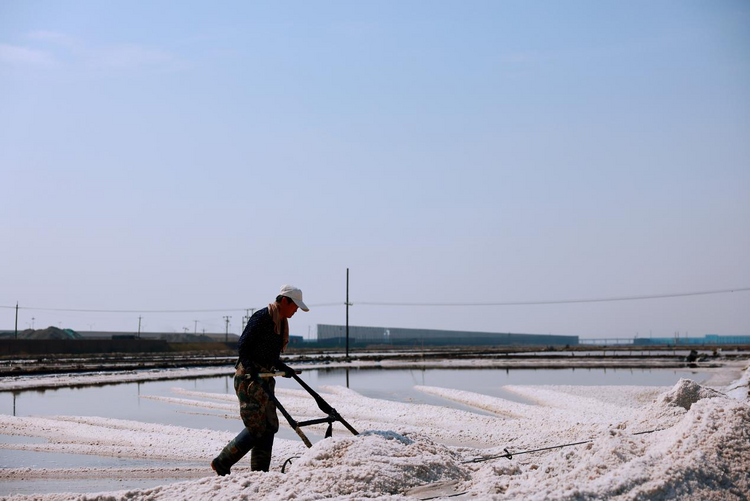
point(510, 455)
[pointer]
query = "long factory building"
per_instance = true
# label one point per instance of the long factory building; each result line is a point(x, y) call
point(335, 335)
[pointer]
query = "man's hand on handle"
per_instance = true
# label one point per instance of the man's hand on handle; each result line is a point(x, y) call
point(282, 367)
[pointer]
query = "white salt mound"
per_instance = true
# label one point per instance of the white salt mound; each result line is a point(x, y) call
point(685, 393)
point(373, 464)
point(704, 455)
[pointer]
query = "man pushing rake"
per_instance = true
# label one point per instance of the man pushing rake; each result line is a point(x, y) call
point(264, 339)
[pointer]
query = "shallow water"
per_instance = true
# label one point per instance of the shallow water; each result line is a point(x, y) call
point(123, 401)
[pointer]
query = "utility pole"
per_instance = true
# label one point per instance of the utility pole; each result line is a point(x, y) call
point(196, 327)
point(347, 313)
point(226, 334)
point(249, 313)
point(139, 327)
point(16, 336)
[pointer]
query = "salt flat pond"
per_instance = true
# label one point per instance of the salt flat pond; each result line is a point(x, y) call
point(125, 400)
point(130, 401)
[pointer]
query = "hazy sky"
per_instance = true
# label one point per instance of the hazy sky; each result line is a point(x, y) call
point(198, 155)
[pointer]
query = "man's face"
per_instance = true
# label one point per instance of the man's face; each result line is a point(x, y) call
point(289, 307)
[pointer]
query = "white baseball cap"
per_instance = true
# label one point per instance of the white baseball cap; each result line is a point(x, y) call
point(295, 295)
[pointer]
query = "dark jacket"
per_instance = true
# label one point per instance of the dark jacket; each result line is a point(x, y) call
point(259, 344)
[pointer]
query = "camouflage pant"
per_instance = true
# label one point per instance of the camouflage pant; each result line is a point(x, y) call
point(257, 410)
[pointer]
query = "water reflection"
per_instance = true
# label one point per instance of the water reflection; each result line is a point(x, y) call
point(125, 401)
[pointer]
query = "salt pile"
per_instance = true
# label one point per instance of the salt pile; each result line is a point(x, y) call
point(705, 455)
point(698, 447)
point(686, 393)
point(371, 465)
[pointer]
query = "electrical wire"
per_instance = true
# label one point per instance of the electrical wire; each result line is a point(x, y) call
point(372, 303)
point(564, 301)
point(218, 310)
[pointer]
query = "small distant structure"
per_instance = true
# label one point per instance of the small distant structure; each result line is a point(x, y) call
point(124, 336)
point(296, 340)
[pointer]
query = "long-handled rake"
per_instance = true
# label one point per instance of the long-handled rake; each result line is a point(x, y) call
point(331, 414)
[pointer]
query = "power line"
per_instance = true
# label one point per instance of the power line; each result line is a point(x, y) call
point(124, 311)
point(564, 301)
point(372, 303)
point(79, 310)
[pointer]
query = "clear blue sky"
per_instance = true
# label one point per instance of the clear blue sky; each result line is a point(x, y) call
point(195, 155)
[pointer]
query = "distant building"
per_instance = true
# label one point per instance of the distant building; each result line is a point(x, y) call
point(335, 335)
point(708, 339)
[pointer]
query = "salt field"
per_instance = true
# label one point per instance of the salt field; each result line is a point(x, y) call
point(420, 430)
point(501, 248)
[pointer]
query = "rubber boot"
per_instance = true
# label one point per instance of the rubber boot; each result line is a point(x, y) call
point(260, 459)
point(233, 452)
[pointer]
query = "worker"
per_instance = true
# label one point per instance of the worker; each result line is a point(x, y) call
point(265, 337)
